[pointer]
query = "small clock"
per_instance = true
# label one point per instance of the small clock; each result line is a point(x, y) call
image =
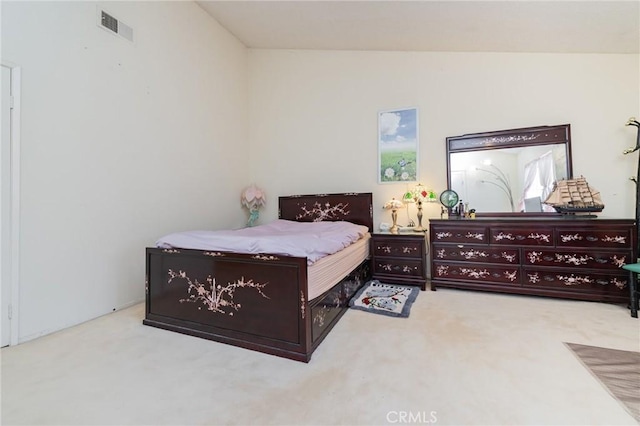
point(449, 198)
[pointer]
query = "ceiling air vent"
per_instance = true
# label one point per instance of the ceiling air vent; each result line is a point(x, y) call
point(111, 24)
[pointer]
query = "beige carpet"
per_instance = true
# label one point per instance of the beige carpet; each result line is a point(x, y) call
point(618, 371)
point(467, 358)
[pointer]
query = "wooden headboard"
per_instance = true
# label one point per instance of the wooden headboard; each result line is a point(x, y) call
point(352, 207)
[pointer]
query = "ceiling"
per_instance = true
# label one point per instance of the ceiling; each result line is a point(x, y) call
point(565, 26)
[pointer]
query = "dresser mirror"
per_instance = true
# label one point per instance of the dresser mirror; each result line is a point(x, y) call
point(509, 172)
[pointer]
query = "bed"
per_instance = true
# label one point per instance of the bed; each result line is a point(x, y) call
point(258, 301)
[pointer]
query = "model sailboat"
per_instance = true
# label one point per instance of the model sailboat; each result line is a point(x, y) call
point(574, 196)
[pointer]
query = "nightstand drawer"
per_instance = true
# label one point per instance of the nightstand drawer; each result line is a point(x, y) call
point(398, 267)
point(398, 248)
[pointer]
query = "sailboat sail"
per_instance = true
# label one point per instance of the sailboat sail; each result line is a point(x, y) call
point(573, 196)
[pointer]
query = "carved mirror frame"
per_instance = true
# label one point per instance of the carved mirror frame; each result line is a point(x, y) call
point(558, 137)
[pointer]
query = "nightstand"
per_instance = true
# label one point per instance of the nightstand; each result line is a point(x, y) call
point(399, 258)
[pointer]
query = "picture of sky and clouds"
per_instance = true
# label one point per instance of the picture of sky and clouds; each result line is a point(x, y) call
point(398, 144)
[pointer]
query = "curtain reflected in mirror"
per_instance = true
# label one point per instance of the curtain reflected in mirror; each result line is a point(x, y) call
point(539, 179)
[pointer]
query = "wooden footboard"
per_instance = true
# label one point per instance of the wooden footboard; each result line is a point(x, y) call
point(258, 302)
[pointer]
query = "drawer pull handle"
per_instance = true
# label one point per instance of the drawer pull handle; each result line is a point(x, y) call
point(590, 238)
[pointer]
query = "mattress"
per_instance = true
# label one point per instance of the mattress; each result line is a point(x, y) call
point(312, 240)
point(330, 270)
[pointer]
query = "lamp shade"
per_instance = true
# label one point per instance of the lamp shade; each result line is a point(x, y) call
point(393, 204)
point(253, 198)
point(420, 192)
point(408, 198)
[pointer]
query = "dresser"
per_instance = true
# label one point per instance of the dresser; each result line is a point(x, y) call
point(567, 257)
point(399, 258)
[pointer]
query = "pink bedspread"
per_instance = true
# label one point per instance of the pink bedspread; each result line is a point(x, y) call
point(312, 240)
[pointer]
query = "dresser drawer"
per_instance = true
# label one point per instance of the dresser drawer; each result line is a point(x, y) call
point(477, 273)
point(477, 254)
point(398, 247)
point(521, 236)
point(613, 237)
point(398, 267)
point(580, 259)
point(469, 235)
point(598, 282)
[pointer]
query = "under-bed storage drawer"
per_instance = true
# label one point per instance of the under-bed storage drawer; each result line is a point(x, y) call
point(325, 310)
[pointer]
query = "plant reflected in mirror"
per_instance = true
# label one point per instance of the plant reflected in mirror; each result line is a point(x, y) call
point(502, 179)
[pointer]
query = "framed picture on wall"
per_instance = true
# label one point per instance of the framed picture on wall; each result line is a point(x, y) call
point(398, 145)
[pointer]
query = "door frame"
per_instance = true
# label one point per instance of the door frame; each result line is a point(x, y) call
point(14, 200)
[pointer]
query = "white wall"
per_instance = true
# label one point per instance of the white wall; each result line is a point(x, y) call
point(121, 143)
point(313, 115)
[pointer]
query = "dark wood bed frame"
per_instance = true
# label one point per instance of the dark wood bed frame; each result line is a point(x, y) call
point(258, 302)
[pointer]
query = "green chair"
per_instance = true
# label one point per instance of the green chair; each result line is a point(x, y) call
point(634, 270)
